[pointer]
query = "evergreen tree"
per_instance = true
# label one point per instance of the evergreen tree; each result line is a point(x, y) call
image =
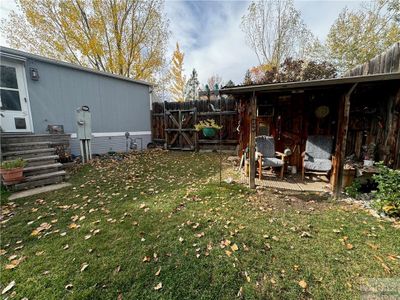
point(230, 83)
point(247, 78)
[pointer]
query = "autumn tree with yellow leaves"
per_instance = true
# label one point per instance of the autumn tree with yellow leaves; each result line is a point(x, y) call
point(124, 37)
point(178, 79)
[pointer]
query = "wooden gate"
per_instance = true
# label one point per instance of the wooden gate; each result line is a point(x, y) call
point(179, 129)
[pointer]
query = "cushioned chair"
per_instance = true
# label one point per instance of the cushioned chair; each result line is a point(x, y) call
point(267, 156)
point(318, 155)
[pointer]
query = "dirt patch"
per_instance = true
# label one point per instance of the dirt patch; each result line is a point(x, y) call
point(269, 199)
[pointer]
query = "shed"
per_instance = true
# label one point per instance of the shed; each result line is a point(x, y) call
point(362, 110)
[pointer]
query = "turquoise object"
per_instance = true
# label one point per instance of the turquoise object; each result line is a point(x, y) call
point(209, 131)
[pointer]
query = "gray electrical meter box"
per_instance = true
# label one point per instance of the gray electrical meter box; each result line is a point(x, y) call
point(84, 123)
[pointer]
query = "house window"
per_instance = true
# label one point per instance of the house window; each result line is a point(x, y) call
point(10, 98)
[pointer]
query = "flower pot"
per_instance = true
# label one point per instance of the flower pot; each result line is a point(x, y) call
point(13, 175)
point(209, 131)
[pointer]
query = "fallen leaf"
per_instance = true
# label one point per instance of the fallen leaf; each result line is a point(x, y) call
point(8, 287)
point(69, 286)
point(234, 247)
point(84, 266)
point(303, 284)
point(229, 253)
point(373, 246)
point(116, 271)
point(158, 272)
point(158, 286)
point(305, 234)
point(73, 226)
point(349, 246)
point(146, 259)
point(247, 276)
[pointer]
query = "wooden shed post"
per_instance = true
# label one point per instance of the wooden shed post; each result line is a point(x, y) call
point(252, 141)
point(341, 141)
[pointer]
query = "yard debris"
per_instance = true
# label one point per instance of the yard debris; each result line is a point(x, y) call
point(158, 286)
point(69, 286)
point(158, 272)
point(42, 227)
point(303, 284)
point(8, 287)
point(84, 266)
point(14, 263)
point(305, 234)
point(234, 247)
point(72, 226)
point(199, 235)
point(117, 269)
point(146, 259)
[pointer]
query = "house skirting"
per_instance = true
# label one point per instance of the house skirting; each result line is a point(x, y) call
point(103, 142)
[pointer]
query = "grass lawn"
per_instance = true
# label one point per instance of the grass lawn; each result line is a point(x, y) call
point(158, 226)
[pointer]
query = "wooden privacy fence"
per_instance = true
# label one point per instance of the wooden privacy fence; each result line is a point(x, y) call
point(173, 124)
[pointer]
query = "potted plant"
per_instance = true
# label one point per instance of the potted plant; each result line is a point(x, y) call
point(208, 127)
point(12, 170)
point(369, 155)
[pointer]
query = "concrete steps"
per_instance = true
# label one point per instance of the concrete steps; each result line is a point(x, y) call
point(39, 152)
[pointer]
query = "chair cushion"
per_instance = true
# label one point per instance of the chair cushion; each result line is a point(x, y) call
point(317, 164)
point(272, 162)
point(265, 145)
point(319, 146)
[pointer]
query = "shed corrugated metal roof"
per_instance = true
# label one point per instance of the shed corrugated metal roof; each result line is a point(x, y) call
point(5, 50)
point(282, 86)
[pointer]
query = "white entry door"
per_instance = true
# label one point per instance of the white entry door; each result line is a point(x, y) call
point(14, 103)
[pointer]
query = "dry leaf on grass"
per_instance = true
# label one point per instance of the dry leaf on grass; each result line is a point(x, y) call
point(234, 247)
point(158, 286)
point(303, 284)
point(158, 272)
point(116, 271)
point(73, 226)
point(8, 287)
point(84, 266)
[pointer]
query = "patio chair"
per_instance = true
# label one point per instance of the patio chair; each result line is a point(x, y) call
point(317, 158)
point(267, 156)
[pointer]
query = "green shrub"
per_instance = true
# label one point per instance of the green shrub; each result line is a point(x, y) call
point(354, 189)
point(13, 164)
point(387, 198)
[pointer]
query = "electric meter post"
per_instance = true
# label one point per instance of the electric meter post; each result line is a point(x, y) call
point(84, 132)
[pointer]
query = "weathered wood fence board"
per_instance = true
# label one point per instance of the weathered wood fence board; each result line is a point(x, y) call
point(228, 117)
point(387, 62)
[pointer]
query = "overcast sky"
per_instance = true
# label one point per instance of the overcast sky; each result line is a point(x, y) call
point(209, 33)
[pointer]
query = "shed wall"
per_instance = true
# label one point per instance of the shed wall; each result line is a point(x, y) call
point(116, 105)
